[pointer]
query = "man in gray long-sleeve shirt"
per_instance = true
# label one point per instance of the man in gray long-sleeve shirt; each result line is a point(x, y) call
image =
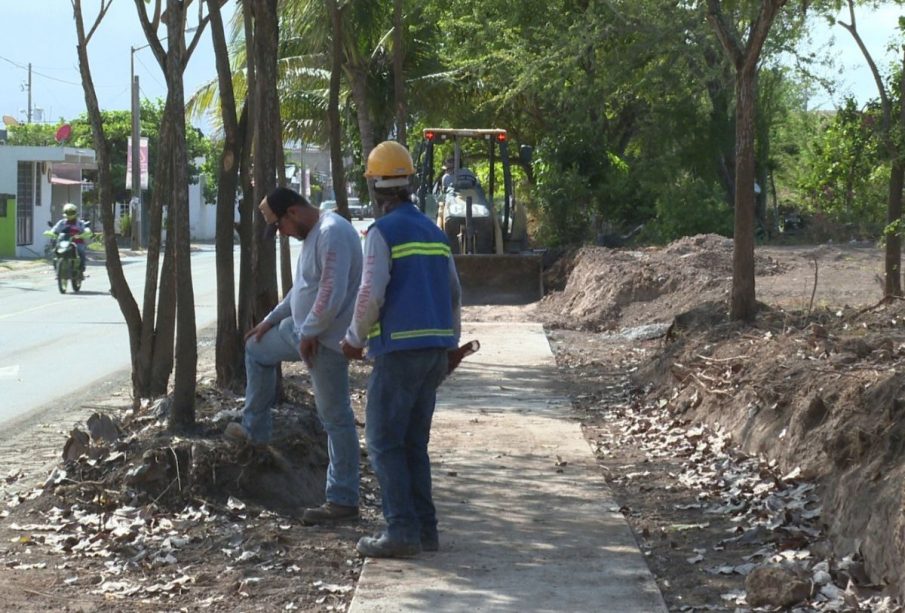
point(308, 325)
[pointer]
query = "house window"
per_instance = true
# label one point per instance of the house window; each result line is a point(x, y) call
point(28, 194)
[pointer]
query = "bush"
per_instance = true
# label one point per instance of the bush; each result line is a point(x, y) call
point(125, 225)
point(692, 206)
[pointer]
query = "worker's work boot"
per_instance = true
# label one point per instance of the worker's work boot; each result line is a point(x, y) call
point(236, 433)
point(430, 541)
point(329, 512)
point(383, 546)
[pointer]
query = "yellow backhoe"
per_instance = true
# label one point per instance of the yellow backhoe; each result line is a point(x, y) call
point(488, 235)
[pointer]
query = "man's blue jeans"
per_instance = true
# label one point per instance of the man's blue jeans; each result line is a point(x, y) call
point(402, 392)
point(330, 377)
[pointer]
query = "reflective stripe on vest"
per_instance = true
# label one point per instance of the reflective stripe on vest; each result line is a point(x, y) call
point(374, 331)
point(398, 336)
point(407, 249)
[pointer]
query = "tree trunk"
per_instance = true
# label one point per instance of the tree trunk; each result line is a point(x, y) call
point(159, 312)
point(358, 79)
point(894, 214)
point(119, 287)
point(182, 413)
point(893, 286)
point(743, 305)
point(398, 75)
point(335, 128)
point(251, 223)
point(228, 348)
point(285, 254)
point(247, 242)
point(163, 342)
point(266, 119)
point(893, 263)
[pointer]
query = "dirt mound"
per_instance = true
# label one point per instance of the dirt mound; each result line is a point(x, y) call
point(822, 394)
point(148, 465)
point(612, 288)
point(187, 521)
point(814, 385)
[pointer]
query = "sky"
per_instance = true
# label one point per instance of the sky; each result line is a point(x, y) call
point(878, 28)
point(42, 33)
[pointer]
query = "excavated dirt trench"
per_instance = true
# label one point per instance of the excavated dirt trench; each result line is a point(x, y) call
point(814, 385)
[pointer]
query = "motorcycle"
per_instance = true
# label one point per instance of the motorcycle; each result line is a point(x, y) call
point(66, 261)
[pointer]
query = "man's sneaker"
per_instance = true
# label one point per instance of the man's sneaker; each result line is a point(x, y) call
point(384, 547)
point(329, 512)
point(236, 433)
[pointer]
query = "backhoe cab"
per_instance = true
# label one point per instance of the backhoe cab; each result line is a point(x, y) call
point(488, 234)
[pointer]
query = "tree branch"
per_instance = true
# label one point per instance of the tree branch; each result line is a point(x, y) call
point(852, 29)
point(150, 30)
point(760, 29)
point(202, 23)
point(725, 33)
point(102, 10)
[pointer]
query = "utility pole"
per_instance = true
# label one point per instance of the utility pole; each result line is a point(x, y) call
point(135, 204)
point(28, 112)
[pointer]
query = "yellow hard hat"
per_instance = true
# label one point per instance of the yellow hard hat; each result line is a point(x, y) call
point(390, 164)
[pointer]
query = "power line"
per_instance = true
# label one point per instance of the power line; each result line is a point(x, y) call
point(40, 74)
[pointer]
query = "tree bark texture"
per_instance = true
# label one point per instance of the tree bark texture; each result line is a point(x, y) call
point(182, 413)
point(743, 304)
point(893, 255)
point(266, 120)
point(398, 75)
point(247, 242)
point(333, 120)
point(119, 287)
point(358, 79)
point(228, 348)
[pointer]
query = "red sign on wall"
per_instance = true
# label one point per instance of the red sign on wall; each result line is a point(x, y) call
point(142, 161)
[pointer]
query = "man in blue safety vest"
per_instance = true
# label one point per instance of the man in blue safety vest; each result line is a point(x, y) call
point(407, 313)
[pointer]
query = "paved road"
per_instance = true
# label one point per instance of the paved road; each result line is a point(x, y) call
point(53, 344)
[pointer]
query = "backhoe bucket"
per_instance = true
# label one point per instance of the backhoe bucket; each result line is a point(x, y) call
point(500, 279)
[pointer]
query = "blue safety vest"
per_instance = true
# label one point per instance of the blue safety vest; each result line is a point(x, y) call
point(417, 308)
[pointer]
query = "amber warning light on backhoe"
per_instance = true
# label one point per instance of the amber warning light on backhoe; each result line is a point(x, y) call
point(429, 135)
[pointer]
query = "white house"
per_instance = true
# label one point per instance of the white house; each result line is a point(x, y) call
point(35, 183)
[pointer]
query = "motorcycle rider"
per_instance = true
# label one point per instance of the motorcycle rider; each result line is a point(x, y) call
point(76, 228)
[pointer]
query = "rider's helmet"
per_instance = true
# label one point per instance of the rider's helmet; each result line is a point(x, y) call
point(70, 211)
point(390, 165)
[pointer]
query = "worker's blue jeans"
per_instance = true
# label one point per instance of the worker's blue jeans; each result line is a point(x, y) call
point(330, 377)
point(402, 393)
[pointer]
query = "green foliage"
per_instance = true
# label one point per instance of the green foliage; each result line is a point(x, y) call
point(842, 172)
point(210, 151)
point(628, 103)
point(564, 205)
point(32, 134)
point(617, 97)
point(896, 228)
point(691, 206)
point(125, 224)
point(118, 128)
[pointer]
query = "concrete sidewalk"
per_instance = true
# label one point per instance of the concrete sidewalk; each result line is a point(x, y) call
point(526, 521)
